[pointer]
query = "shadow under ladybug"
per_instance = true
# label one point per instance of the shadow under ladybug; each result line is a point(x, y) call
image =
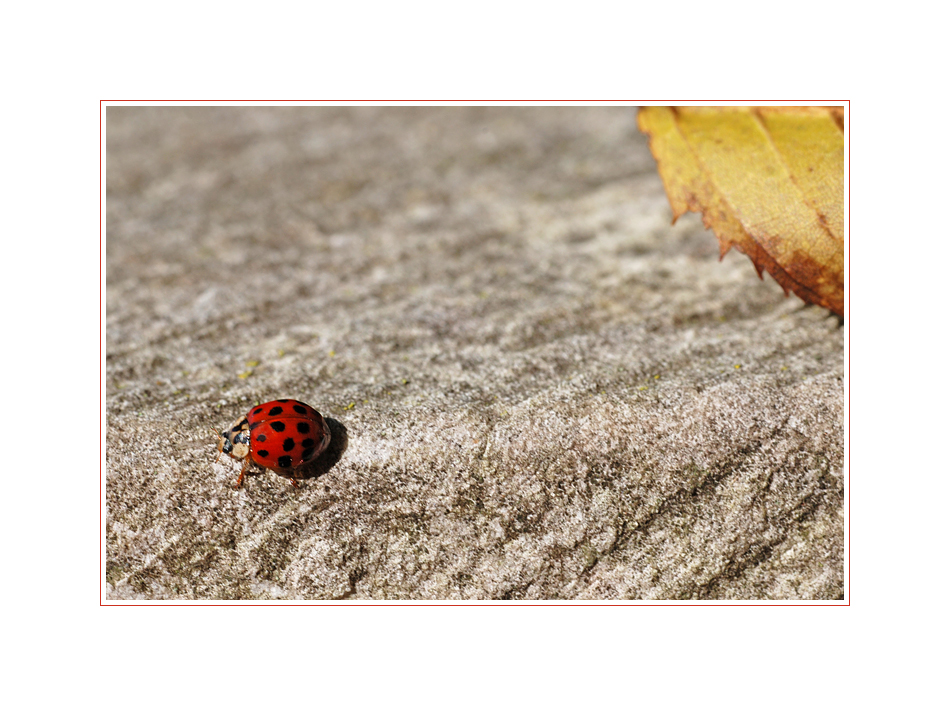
point(285, 436)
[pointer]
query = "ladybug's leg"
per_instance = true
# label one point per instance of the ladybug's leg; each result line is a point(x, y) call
point(244, 467)
point(293, 482)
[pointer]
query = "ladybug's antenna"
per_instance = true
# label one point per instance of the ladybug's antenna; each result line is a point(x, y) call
point(220, 447)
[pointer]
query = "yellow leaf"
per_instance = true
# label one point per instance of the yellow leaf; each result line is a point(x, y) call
point(768, 181)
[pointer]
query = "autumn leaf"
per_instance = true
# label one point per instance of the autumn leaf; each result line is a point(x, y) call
point(768, 181)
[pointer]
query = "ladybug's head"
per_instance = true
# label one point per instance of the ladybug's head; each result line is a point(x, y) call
point(236, 441)
point(224, 444)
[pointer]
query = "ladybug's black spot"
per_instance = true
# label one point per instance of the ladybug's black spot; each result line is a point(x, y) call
point(261, 437)
point(278, 426)
point(255, 425)
point(308, 454)
point(262, 453)
point(284, 461)
point(288, 444)
point(307, 443)
point(274, 411)
point(303, 427)
point(300, 409)
point(256, 411)
point(283, 400)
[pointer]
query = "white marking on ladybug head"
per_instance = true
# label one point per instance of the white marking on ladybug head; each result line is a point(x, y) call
point(239, 450)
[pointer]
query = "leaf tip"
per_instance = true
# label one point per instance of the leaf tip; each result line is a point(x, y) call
point(725, 246)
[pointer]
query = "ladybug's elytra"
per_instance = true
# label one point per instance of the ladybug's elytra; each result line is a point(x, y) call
point(283, 435)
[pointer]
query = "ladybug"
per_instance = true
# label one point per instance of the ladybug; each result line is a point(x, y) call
point(283, 435)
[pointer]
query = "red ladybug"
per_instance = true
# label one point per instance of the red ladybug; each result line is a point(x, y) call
point(283, 435)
